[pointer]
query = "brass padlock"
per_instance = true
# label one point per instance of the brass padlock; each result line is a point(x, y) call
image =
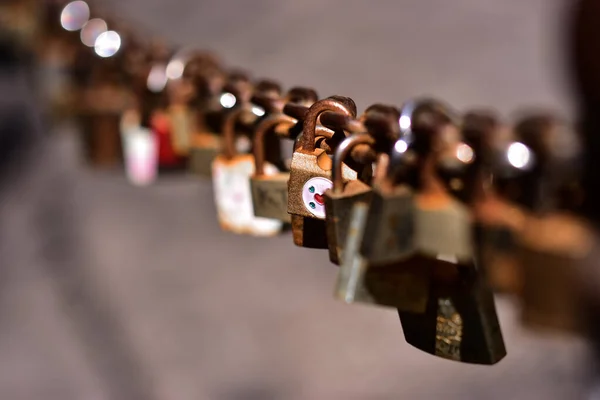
point(552, 242)
point(310, 177)
point(340, 199)
point(231, 180)
point(460, 321)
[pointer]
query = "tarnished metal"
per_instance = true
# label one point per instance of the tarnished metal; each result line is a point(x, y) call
point(310, 176)
point(460, 321)
point(341, 197)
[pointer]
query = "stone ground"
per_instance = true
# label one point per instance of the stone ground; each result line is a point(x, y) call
point(116, 292)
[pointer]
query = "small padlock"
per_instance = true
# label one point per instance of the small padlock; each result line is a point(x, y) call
point(400, 283)
point(553, 242)
point(310, 177)
point(270, 192)
point(341, 197)
point(460, 321)
point(231, 180)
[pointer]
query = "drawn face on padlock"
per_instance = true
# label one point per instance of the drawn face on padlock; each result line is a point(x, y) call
point(459, 300)
point(552, 243)
point(233, 194)
point(309, 162)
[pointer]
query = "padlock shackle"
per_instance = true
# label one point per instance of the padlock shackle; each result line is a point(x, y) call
point(341, 152)
point(334, 120)
point(410, 107)
point(229, 150)
point(296, 111)
point(343, 105)
point(263, 127)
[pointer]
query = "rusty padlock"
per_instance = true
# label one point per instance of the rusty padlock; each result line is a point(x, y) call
point(398, 283)
point(553, 242)
point(231, 180)
point(340, 199)
point(460, 321)
point(270, 192)
point(310, 177)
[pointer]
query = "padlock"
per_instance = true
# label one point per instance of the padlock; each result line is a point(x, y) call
point(553, 242)
point(206, 142)
point(341, 197)
point(270, 192)
point(231, 180)
point(496, 217)
point(310, 177)
point(460, 321)
point(401, 283)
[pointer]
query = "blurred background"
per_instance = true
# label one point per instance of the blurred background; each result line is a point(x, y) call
point(110, 291)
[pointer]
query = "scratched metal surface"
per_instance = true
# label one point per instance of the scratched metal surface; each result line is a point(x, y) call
point(146, 298)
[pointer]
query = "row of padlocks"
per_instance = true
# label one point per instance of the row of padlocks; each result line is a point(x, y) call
point(424, 209)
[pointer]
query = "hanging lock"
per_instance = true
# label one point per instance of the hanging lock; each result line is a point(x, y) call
point(460, 321)
point(310, 176)
point(231, 180)
point(341, 198)
point(207, 141)
point(270, 192)
point(553, 243)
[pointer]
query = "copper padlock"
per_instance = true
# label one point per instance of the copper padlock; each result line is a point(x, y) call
point(460, 321)
point(553, 243)
point(231, 180)
point(310, 177)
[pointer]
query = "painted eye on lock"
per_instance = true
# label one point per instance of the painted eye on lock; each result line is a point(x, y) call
point(313, 195)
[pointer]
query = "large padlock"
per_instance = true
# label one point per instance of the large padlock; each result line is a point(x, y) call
point(340, 199)
point(460, 321)
point(231, 180)
point(552, 243)
point(310, 177)
point(399, 283)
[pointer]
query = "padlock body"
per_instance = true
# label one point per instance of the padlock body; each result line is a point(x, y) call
point(444, 233)
point(182, 127)
point(460, 321)
point(402, 285)
point(390, 227)
point(338, 213)
point(205, 147)
point(233, 197)
point(550, 251)
point(270, 195)
point(306, 188)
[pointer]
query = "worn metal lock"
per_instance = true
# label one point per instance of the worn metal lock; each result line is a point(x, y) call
point(552, 243)
point(231, 180)
point(340, 199)
point(460, 321)
point(269, 192)
point(398, 283)
point(310, 177)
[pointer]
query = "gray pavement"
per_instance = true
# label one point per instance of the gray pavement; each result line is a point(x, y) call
point(116, 292)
